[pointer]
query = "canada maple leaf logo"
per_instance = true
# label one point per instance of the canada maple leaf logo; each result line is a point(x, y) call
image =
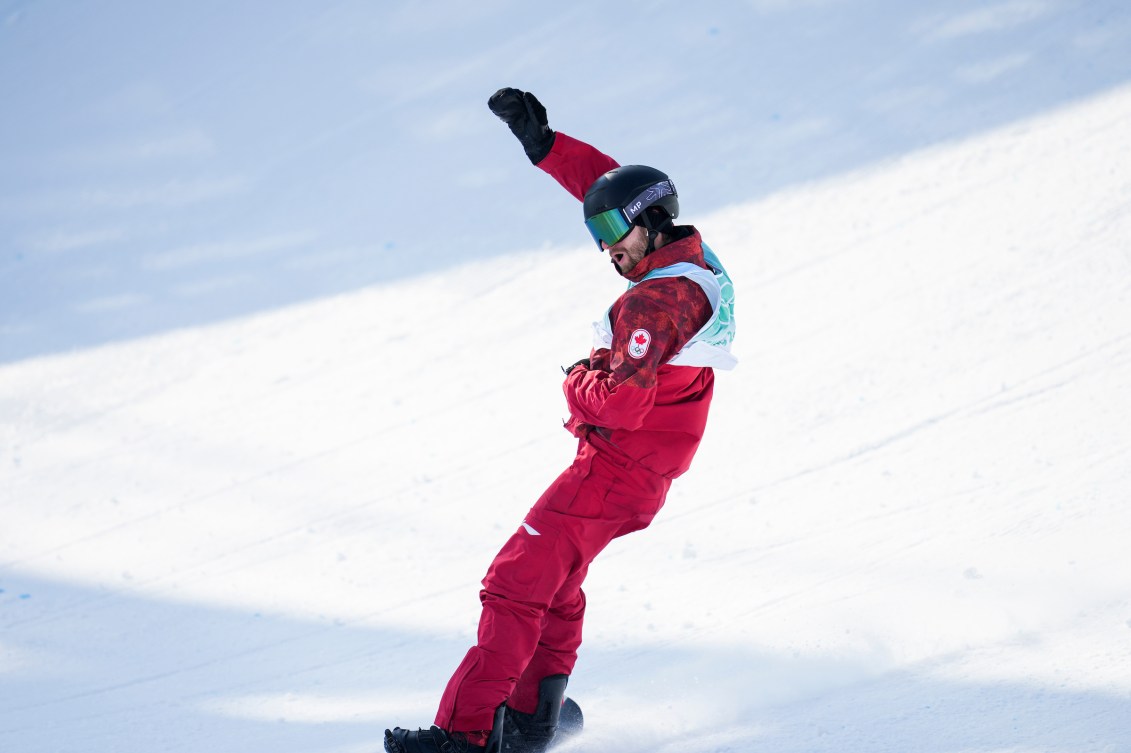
point(638, 343)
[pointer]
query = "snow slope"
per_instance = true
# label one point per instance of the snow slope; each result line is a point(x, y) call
point(905, 530)
point(167, 165)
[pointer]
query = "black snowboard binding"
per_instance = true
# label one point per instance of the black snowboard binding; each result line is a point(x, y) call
point(553, 720)
point(434, 740)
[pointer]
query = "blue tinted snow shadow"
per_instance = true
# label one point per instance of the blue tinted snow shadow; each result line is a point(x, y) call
point(165, 167)
point(103, 670)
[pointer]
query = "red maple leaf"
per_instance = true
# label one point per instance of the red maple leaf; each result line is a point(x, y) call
point(641, 339)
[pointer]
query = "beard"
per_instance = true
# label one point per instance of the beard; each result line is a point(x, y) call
point(625, 260)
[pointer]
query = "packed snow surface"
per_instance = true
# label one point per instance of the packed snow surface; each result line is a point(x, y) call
point(283, 309)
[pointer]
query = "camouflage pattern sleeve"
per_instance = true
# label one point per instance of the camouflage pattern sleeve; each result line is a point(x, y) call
point(644, 338)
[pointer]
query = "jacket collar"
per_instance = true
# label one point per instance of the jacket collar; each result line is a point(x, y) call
point(688, 247)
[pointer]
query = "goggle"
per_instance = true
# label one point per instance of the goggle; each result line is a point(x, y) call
point(612, 225)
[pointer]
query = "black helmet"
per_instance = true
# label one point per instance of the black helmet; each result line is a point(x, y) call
point(619, 199)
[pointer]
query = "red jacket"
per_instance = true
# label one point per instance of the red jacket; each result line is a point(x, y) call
point(630, 402)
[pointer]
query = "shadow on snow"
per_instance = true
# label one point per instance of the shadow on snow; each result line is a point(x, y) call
point(97, 670)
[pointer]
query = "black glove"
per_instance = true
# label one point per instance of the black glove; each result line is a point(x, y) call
point(583, 362)
point(526, 117)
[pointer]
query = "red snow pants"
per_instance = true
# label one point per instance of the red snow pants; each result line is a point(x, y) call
point(533, 605)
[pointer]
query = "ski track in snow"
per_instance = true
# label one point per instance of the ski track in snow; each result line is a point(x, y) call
point(905, 530)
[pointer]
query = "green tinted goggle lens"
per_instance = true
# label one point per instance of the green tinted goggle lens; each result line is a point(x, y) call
point(609, 226)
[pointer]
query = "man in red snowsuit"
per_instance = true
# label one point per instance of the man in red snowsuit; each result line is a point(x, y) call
point(639, 419)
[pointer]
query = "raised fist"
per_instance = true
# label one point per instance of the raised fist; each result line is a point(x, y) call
point(526, 117)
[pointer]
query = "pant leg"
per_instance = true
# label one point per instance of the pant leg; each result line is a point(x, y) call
point(630, 500)
point(532, 593)
point(516, 596)
point(558, 643)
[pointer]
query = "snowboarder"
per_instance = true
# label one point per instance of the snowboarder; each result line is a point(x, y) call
point(638, 406)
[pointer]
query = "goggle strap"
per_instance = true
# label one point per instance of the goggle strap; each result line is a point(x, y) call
point(648, 197)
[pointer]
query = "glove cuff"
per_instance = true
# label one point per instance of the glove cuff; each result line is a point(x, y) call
point(536, 151)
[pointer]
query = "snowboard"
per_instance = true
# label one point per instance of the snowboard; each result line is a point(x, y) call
point(570, 722)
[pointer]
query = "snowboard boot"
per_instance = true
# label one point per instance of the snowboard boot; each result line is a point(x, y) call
point(434, 740)
point(535, 732)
